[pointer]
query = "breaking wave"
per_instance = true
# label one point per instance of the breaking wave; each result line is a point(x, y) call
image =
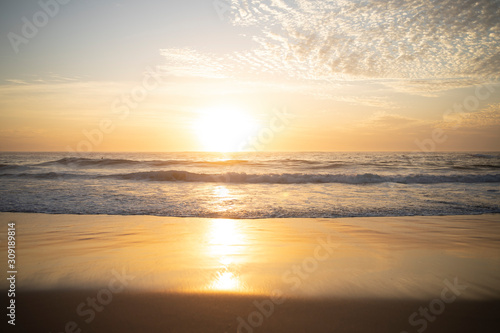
point(285, 178)
point(107, 162)
point(244, 178)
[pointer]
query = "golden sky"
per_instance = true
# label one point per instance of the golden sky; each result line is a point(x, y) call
point(270, 75)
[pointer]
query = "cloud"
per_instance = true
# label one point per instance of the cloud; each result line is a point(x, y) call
point(372, 101)
point(480, 126)
point(487, 117)
point(346, 39)
point(15, 81)
point(187, 62)
point(23, 133)
point(47, 78)
point(390, 121)
point(381, 38)
point(430, 87)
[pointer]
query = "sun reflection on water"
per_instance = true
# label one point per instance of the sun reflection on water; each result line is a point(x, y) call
point(222, 199)
point(221, 192)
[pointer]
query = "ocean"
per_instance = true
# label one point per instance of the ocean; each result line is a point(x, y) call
point(251, 185)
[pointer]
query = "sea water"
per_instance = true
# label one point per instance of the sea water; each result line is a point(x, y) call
point(251, 185)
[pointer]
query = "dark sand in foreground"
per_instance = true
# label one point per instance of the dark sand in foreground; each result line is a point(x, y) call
point(50, 311)
point(156, 274)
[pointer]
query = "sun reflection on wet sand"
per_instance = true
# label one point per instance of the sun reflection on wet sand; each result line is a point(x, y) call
point(226, 243)
point(371, 258)
point(225, 281)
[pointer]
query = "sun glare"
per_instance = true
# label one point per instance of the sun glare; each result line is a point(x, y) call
point(226, 242)
point(224, 129)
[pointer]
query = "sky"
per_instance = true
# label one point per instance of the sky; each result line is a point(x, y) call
point(248, 75)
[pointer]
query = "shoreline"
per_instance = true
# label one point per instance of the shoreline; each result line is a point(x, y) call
point(256, 218)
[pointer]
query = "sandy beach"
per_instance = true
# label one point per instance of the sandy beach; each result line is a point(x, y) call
point(99, 273)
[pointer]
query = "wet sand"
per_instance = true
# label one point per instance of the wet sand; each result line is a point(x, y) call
point(147, 274)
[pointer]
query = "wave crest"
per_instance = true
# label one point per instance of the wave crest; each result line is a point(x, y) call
point(244, 178)
point(105, 162)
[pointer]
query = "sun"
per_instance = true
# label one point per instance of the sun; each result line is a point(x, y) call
point(224, 129)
